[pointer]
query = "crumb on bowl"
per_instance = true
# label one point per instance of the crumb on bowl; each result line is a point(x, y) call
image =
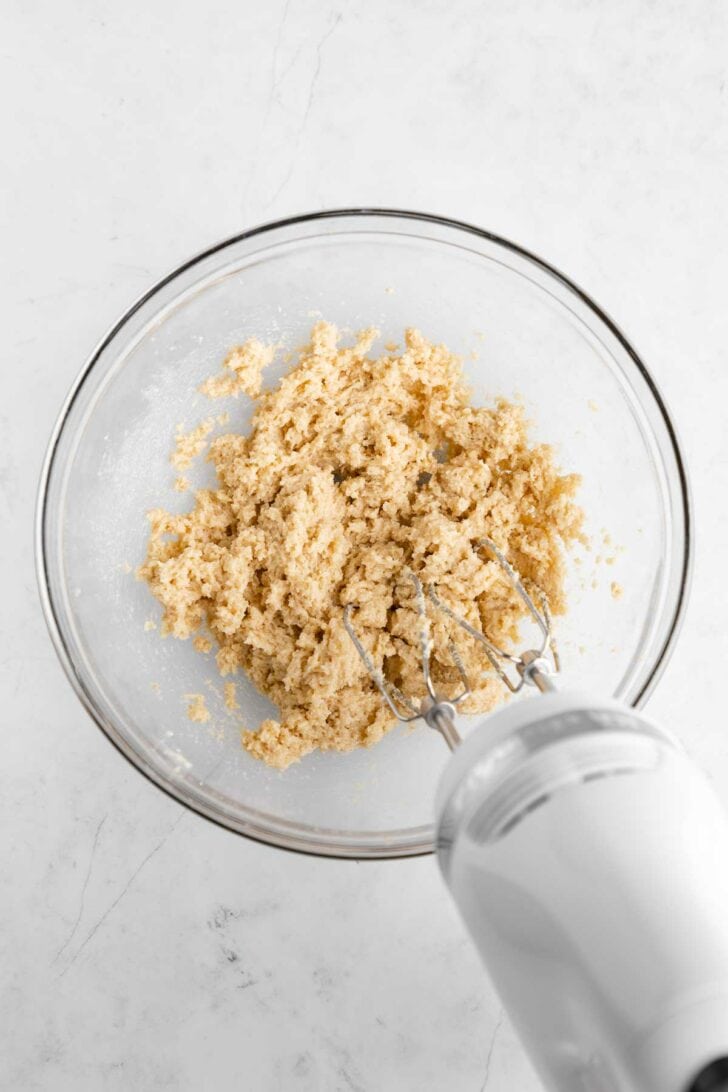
point(188, 445)
point(197, 709)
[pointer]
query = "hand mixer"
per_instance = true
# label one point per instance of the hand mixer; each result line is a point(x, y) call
point(588, 857)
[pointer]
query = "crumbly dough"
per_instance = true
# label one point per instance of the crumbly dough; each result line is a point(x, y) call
point(197, 709)
point(188, 445)
point(241, 371)
point(355, 470)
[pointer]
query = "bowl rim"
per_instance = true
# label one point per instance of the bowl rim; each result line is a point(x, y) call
point(290, 842)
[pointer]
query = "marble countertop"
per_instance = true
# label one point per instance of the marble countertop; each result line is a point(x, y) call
point(142, 947)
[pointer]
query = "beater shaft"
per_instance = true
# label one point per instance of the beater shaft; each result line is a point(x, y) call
point(536, 667)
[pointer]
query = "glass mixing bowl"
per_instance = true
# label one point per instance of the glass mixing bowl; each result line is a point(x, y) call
point(523, 330)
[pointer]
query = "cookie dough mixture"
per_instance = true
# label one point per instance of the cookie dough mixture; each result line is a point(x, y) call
point(357, 468)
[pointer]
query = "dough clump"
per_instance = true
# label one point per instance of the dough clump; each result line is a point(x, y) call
point(197, 709)
point(357, 469)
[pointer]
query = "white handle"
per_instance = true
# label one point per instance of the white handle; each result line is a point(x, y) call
point(600, 908)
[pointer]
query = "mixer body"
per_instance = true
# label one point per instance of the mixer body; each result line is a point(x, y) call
point(589, 859)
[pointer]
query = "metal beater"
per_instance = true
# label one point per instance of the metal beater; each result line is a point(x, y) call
point(588, 857)
point(536, 667)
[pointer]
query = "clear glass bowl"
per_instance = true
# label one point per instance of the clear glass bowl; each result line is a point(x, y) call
point(523, 329)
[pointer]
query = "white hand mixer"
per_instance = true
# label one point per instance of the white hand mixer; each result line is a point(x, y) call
point(589, 858)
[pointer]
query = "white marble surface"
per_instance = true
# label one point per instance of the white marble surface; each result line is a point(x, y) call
point(143, 948)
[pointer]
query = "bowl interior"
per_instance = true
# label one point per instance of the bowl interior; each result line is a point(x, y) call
point(523, 332)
